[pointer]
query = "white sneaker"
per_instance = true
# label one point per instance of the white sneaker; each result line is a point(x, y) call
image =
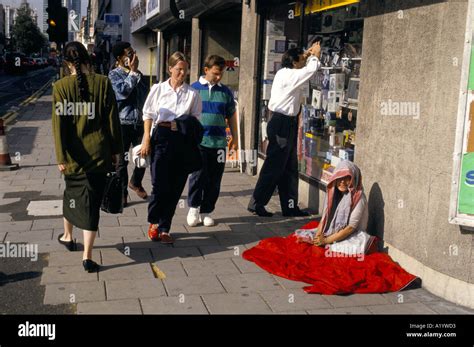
point(208, 221)
point(193, 218)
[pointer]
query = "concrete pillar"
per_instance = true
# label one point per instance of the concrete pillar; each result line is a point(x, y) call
point(196, 35)
point(248, 79)
point(162, 64)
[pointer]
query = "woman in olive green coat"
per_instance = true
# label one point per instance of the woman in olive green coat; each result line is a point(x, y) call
point(88, 140)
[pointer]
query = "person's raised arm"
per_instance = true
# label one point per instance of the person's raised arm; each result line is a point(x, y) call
point(123, 87)
point(300, 76)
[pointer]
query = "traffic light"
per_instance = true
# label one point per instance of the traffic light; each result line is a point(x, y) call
point(57, 22)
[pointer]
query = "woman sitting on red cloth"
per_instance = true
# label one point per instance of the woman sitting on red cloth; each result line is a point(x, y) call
point(336, 255)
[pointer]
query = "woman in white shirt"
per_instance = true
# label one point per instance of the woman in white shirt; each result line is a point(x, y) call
point(166, 102)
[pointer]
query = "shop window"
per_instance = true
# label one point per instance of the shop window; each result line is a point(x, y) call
point(328, 118)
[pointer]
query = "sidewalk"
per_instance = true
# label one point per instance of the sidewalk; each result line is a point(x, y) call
point(202, 273)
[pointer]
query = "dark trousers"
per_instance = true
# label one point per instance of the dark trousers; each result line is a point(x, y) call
point(280, 168)
point(205, 184)
point(131, 135)
point(168, 178)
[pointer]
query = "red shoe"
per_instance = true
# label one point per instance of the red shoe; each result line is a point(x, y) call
point(166, 238)
point(153, 233)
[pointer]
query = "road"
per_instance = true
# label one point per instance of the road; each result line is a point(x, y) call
point(16, 88)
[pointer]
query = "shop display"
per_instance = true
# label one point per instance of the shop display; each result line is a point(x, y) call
point(328, 119)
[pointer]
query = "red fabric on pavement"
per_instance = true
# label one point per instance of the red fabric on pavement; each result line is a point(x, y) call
point(284, 257)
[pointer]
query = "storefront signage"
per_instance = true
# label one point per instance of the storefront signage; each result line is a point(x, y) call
point(322, 5)
point(462, 193)
point(137, 14)
point(112, 19)
point(466, 187)
point(152, 8)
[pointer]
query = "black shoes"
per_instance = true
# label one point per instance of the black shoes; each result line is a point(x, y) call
point(70, 245)
point(90, 265)
point(125, 201)
point(295, 213)
point(260, 211)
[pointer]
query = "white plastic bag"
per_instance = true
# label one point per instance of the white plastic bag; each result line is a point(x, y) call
point(138, 160)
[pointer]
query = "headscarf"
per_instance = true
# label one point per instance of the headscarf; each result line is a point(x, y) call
point(348, 202)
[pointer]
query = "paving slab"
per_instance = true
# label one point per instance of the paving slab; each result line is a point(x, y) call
point(343, 310)
point(136, 288)
point(72, 293)
point(193, 285)
point(220, 252)
point(236, 303)
point(412, 308)
point(67, 274)
point(31, 236)
point(125, 271)
point(171, 269)
point(66, 258)
point(210, 267)
point(126, 306)
point(291, 300)
point(356, 300)
point(250, 282)
point(185, 304)
point(176, 254)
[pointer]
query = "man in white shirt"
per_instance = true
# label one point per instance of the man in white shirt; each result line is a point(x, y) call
point(280, 168)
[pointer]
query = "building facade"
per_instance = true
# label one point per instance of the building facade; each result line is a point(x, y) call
point(398, 97)
point(392, 85)
point(2, 30)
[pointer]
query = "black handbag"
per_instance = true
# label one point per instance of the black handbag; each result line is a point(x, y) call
point(112, 200)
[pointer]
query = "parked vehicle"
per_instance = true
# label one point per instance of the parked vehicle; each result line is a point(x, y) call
point(30, 63)
point(39, 62)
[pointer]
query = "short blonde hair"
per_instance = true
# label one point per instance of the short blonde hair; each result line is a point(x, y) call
point(175, 58)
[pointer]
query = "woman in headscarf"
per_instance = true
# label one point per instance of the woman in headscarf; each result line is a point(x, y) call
point(336, 255)
point(345, 214)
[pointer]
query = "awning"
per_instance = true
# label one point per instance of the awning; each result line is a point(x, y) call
point(313, 6)
point(167, 17)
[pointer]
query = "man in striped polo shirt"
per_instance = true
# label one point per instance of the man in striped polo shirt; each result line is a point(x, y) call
point(218, 112)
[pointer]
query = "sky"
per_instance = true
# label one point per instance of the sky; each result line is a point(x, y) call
point(38, 4)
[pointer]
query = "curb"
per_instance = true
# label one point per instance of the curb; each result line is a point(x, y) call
point(11, 115)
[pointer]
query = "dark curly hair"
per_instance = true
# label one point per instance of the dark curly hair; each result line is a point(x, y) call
point(291, 56)
point(76, 53)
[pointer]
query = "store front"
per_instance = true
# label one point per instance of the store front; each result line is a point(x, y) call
point(174, 33)
point(143, 41)
point(328, 118)
point(400, 127)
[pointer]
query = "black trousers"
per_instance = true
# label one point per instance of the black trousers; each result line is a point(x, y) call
point(168, 177)
point(205, 184)
point(280, 168)
point(131, 135)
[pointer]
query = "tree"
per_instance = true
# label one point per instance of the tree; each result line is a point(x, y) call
point(26, 34)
